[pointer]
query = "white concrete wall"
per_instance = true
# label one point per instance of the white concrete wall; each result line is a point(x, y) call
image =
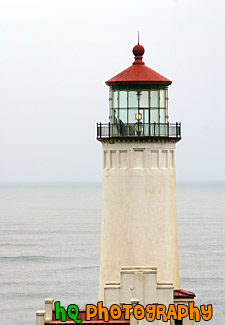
point(164, 296)
point(139, 224)
point(135, 282)
point(140, 283)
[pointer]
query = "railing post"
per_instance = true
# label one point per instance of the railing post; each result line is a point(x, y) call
point(180, 129)
point(154, 129)
point(48, 309)
point(176, 129)
point(168, 126)
point(40, 317)
point(109, 129)
point(100, 133)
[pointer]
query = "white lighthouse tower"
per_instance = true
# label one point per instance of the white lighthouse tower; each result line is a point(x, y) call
point(139, 226)
point(139, 263)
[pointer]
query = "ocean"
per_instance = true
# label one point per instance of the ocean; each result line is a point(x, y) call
point(50, 246)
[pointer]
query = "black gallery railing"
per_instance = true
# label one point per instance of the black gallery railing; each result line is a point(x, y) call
point(108, 130)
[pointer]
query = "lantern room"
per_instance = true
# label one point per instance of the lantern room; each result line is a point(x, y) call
point(141, 103)
point(138, 103)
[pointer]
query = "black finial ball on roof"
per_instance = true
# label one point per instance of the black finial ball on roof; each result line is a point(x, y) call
point(138, 50)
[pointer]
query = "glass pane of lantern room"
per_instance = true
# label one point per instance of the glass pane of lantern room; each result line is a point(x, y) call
point(115, 99)
point(131, 115)
point(123, 99)
point(133, 99)
point(162, 98)
point(163, 115)
point(110, 105)
point(144, 99)
point(146, 121)
point(166, 103)
point(154, 116)
point(123, 115)
point(140, 115)
point(146, 116)
point(115, 116)
point(154, 98)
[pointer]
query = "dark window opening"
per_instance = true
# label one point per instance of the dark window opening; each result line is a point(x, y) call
point(178, 322)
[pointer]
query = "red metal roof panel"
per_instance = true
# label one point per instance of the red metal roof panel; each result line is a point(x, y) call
point(183, 294)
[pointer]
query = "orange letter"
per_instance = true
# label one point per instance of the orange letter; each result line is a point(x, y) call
point(91, 311)
point(115, 312)
point(127, 309)
point(180, 314)
point(150, 309)
point(101, 311)
point(161, 311)
point(139, 312)
point(192, 310)
point(206, 312)
point(171, 312)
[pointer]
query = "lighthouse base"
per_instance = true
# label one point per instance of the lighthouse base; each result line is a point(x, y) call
point(139, 284)
point(138, 288)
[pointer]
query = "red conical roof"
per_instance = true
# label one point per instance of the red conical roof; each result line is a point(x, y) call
point(138, 73)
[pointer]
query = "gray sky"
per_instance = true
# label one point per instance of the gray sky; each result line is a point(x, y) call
point(55, 57)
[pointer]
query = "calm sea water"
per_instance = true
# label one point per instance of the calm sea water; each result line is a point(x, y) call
point(50, 245)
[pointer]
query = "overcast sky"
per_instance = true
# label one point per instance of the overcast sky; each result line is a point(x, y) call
point(55, 57)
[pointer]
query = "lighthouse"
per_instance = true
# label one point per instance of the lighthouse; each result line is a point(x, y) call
point(139, 224)
point(139, 260)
